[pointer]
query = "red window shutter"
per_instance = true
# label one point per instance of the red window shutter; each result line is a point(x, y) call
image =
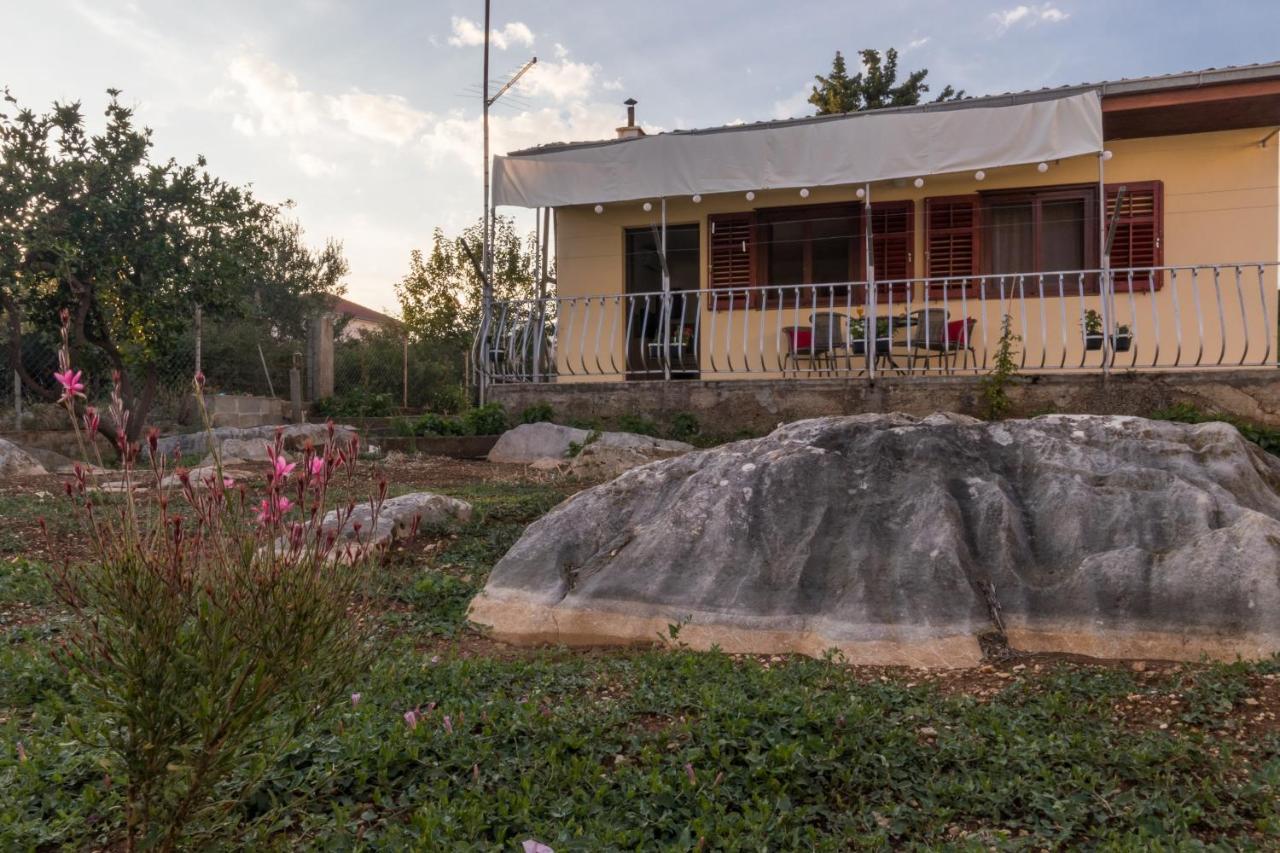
point(951, 241)
point(893, 238)
point(1139, 237)
point(731, 245)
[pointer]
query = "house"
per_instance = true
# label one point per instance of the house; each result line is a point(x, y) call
point(354, 320)
point(1131, 224)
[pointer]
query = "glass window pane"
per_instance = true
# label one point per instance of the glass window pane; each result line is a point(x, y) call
point(786, 253)
point(1062, 235)
point(1012, 236)
point(833, 248)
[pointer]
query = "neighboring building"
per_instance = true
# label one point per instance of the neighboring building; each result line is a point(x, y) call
point(354, 320)
point(973, 211)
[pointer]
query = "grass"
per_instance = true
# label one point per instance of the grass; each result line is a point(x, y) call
point(659, 748)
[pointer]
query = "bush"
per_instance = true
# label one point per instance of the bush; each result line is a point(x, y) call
point(489, 419)
point(356, 403)
point(207, 632)
point(684, 426)
point(537, 413)
point(433, 424)
point(637, 424)
point(447, 399)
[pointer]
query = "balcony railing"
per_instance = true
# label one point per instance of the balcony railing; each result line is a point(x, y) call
point(1159, 318)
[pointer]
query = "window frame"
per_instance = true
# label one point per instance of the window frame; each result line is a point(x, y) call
point(1036, 197)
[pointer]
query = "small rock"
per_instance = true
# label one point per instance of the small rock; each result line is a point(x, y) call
point(1138, 666)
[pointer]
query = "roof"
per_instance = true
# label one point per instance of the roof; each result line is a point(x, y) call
point(1106, 88)
point(356, 311)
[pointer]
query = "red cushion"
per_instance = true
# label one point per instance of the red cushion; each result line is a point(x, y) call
point(958, 330)
point(801, 338)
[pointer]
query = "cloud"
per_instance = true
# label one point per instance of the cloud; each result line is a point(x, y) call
point(796, 105)
point(384, 118)
point(314, 166)
point(272, 102)
point(560, 79)
point(468, 33)
point(280, 104)
point(457, 136)
point(920, 42)
point(1027, 16)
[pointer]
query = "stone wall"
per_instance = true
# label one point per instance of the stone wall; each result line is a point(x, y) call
point(244, 410)
point(726, 407)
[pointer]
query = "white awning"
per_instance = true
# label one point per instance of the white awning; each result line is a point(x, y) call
point(853, 149)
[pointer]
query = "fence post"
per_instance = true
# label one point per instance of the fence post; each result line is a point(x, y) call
point(295, 387)
point(404, 402)
point(17, 400)
point(199, 339)
point(320, 346)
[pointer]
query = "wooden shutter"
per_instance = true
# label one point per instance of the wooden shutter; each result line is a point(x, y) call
point(731, 242)
point(1139, 232)
point(893, 238)
point(951, 241)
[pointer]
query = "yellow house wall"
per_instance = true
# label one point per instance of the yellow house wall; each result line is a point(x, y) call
point(1221, 206)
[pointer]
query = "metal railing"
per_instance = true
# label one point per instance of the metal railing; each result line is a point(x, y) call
point(1151, 318)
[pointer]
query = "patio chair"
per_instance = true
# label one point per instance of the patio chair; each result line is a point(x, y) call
point(948, 341)
point(801, 344)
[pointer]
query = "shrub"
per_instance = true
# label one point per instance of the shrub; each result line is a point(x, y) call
point(684, 426)
point(537, 413)
point(357, 403)
point(207, 629)
point(995, 399)
point(637, 424)
point(489, 419)
point(447, 399)
point(433, 424)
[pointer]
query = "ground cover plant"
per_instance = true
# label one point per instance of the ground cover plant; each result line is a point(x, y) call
point(447, 740)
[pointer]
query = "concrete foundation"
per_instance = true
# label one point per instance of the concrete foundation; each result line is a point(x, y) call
point(726, 407)
point(244, 410)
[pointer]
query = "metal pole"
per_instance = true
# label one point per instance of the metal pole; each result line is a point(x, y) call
point(405, 385)
point(1104, 274)
point(486, 298)
point(664, 317)
point(869, 332)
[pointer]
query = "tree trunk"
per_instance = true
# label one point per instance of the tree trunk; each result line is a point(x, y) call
point(14, 315)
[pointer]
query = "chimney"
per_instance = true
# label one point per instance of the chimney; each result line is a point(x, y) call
point(630, 130)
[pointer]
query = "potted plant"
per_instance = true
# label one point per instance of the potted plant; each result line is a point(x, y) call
point(1122, 340)
point(1092, 330)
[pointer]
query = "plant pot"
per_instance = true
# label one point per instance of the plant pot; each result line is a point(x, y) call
point(1092, 341)
point(1122, 343)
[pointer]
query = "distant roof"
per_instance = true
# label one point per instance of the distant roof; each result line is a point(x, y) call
point(356, 311)
point(1124, 86)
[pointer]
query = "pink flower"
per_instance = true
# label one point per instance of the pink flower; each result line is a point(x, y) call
point(22, 753)
point(71, 384)
point(280, 467)
point(688, 771)
point(199, 380)
point(228, 482)
point(411, 719)
point(355, 699)
point(91, 421)
point(317, 466)
point(448, 725)
point(271, 509)
point(531, 846)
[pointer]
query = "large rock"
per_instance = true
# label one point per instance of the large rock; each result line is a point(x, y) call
point(602, 460)
point(248, 443)
point(548, 444)
point(898, 540)
point(16, 462)
point(396, 518)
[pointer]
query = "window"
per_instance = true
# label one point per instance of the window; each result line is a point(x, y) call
point(809, 245)
point(1139, 235)
point(1041, 231)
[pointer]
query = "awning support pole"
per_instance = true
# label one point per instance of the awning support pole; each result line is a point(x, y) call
point(665, 315)
point(1104, 274)
point(869, 333)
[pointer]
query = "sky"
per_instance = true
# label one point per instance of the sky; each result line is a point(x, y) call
point(366, 114)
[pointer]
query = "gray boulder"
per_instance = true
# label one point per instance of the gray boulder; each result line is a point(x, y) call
point(901, 541)
point(546, 444)
point(247, 443)
point(16, 462)
point(603, 460)
point(396, 518)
